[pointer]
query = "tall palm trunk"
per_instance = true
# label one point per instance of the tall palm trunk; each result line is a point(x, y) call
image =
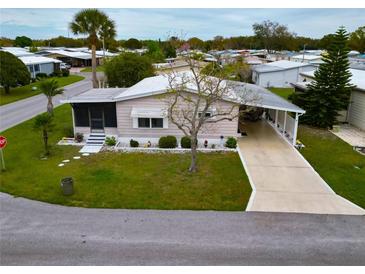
point(50, 105)
point(93, 65)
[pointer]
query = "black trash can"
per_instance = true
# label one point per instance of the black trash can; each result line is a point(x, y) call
point(67, 185)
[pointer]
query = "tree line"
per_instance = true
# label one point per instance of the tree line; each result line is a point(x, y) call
point(267, 35)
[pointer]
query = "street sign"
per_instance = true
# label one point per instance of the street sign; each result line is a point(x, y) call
point(2, 145)
point(2, 142)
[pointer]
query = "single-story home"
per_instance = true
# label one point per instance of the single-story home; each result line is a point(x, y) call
point(355, 113)
point(17, 51)
point(305, 58)
point(40, 64)
point(279, 73)
point(140, 112)
point(71, 57)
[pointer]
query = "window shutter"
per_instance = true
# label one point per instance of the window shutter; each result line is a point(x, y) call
point(135, 122)
point(165, 122)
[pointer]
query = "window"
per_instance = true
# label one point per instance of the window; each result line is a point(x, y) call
point(36, 67)
point(157, 123)
point(30, 68)
point(150, 122)
point(144, 122)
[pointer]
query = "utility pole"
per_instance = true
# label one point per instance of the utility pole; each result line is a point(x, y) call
point(303, 52)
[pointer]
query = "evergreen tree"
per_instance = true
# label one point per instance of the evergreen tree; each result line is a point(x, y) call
point(330, 91)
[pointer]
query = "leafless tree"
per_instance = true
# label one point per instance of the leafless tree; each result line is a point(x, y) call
point(192, 95)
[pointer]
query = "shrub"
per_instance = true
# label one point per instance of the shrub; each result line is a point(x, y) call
point(231, 142)
point(65, 72)
point(68, 132)
point(79, 137)
point(185, 142)
point(111, 141)
point(41, 75)
point(57, 73)
point(133, 143)
point(167, 142)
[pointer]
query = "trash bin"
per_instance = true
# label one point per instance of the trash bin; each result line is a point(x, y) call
point(67, 185)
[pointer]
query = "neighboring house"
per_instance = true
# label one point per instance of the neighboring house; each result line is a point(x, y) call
point(71, 57)
point(355, 113)
point(18, 52)
point(40, 64)
point(139, 112)
point(278, 74)
point(305, 58)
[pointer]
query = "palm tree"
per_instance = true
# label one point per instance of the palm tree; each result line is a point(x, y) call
point(97, 25)
point(44, 123)
point(50, 88)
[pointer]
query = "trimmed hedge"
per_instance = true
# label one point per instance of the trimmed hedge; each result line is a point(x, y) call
point(167, 142)
point(133, 143)
point(231, 142)
point(185, 142)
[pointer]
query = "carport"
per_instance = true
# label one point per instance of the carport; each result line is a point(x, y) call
point(282, 115)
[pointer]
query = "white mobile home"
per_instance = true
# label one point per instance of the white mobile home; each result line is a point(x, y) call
point(39, 64)
point(278, 74)
point(355, 113)
point(140, 113)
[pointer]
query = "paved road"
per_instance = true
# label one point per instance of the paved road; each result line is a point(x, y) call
point(17, 112)
point(35, 233)
point(283, 180)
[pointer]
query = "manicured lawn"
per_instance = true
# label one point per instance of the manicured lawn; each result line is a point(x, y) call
point(337, 163)
point(120, 180)
point(26, 91)
point(98, 68)
point(282, 92)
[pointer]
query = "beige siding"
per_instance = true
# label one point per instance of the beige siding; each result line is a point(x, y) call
point(125, 121)
point(357, 109)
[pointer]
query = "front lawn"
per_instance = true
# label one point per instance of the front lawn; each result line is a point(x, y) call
point(120, 180)
point(98, 69)
point(283, 92)
point(26, 91)
point(337, 163)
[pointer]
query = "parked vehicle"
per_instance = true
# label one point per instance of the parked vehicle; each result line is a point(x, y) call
point(65, 66)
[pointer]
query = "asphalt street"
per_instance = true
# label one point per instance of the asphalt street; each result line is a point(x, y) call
point(35, 233)
point(20, 111)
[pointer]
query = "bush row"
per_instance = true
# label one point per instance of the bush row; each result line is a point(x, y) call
point(57, 73)
point(171, 142)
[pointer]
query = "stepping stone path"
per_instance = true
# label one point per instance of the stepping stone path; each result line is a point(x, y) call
point(60, 165)
point(65, 161)
point(76, 157)
point(85, 154)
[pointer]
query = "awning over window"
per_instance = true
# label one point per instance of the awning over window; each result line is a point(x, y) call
point(148, 113)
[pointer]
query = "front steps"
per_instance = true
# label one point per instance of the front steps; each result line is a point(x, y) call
point(94, 143)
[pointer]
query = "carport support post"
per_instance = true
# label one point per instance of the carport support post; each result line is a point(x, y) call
point(284, 127)
point(295, 129)
point(276, 118)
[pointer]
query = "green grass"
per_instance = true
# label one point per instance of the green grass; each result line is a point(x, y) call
point(336, 162)
point(120, 180)
point(26, 91)
point(98, 69)
point(282, 92)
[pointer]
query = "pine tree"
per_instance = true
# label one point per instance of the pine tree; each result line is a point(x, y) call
point(330, 91)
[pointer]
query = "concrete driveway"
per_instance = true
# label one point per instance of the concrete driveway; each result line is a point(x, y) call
point(35, 233)
point(282, 180)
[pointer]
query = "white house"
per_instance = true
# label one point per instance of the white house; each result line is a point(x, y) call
point(40, 64)
point(139, 112)
point(305, 58)
point(278, 74)
point(355, 113)
point(18, 52)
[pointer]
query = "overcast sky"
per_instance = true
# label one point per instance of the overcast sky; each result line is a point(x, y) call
point(203, 23)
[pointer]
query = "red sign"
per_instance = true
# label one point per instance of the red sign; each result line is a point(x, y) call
point(2, 142)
